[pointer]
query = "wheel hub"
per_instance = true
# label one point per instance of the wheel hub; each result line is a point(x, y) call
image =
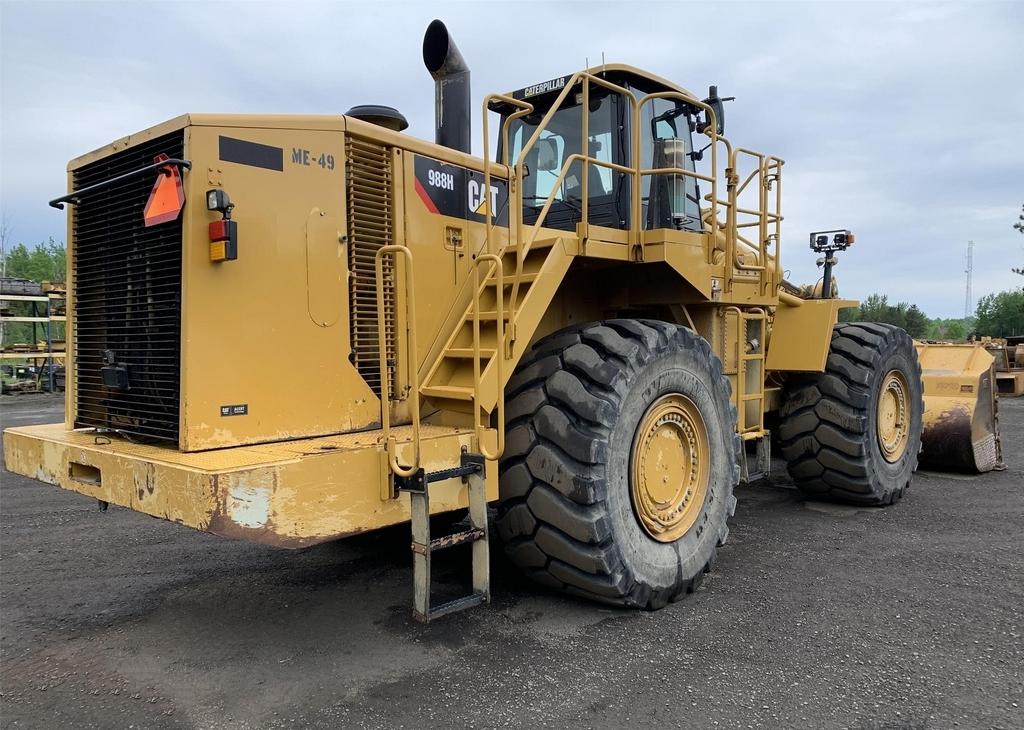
point(893, 417)
point(670, 466)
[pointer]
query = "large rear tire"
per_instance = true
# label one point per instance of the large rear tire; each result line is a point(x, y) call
point(620, 462)
point(853, 433)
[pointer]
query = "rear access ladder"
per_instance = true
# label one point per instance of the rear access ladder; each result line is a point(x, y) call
point(471, 471)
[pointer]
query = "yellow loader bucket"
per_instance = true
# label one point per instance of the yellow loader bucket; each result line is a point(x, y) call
point(961, 417)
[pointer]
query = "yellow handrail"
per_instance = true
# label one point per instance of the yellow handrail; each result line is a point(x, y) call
point(767, 172)
point(414, 391)
point(711, 131)
point(499, 354)
point(524, 109)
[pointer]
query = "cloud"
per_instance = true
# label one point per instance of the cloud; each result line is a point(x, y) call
point(901, 121)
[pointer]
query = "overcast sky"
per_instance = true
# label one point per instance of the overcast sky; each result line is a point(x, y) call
point(901, 121)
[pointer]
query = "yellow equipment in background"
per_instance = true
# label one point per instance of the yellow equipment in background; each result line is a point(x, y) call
point(1009, 363)
point(961, 408)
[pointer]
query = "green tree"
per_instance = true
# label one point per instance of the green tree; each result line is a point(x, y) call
point(948, 329)
point(1002, 314)
point(956, 330)
point(916, 322)
point(45, 262)
point(876, 308)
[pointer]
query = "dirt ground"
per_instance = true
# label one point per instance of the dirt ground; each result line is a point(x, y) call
point(816, 616)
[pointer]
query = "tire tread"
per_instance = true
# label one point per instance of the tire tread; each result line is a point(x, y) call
point(824, 431)
point(561, 398)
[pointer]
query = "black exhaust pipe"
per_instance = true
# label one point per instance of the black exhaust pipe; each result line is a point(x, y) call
point(451, 88)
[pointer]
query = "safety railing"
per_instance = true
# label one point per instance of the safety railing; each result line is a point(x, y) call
point(766, 217)
point(714, 141)
point(524, 108)
point(499, 355)
point(410, 350)
point(523, 242)
point(767, 174)
point(391, 443)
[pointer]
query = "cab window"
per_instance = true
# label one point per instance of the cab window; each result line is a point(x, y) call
point(608, 190)
point(668, 201)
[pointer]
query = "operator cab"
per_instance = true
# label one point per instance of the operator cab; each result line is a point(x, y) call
point(665, 141)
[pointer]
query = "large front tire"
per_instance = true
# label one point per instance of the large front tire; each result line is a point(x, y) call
point(620, 462)
point(853, 433)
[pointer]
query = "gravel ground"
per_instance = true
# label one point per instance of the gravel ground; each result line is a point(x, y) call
point(816, 616)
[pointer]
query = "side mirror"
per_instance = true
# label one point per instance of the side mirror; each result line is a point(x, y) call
point(547, 155)
point(717, 105)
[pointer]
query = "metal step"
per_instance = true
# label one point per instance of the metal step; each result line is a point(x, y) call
point(509, 280)
point(486, 353)
point(459, 604)
point(456, 538)
point(454, 392)
point(472, 471)
point(490, 316)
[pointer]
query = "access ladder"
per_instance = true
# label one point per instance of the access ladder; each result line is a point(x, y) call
point(472, 472)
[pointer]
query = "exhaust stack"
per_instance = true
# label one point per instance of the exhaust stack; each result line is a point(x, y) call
point(451, 88)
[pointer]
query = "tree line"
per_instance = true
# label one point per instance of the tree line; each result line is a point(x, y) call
point(997, 315)
point(45, 262)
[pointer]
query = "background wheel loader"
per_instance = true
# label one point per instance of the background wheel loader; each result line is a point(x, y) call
point(592, 330)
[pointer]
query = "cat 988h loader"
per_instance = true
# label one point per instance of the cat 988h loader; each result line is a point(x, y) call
point(590, 329)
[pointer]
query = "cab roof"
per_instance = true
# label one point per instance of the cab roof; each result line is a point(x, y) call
point(618, 73)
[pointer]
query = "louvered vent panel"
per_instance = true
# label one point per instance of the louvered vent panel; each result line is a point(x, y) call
point(370, 185)
point(126, 281)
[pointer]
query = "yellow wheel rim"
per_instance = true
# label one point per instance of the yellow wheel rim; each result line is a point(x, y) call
point(893, 417)
point(671, 461)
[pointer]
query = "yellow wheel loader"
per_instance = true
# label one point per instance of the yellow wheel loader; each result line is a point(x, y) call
point(589, 328)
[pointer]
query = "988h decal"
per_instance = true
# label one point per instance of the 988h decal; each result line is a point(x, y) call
point(459, 192)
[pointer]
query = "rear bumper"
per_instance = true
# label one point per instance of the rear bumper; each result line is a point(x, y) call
point(289, 494)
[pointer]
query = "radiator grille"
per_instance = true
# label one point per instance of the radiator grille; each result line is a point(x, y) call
point(369, 186)
point(126, 281)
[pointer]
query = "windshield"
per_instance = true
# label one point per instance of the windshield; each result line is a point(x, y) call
point(559, 140)
point(667, 200)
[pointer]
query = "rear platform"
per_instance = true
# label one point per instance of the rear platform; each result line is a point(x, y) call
point(289, 494)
